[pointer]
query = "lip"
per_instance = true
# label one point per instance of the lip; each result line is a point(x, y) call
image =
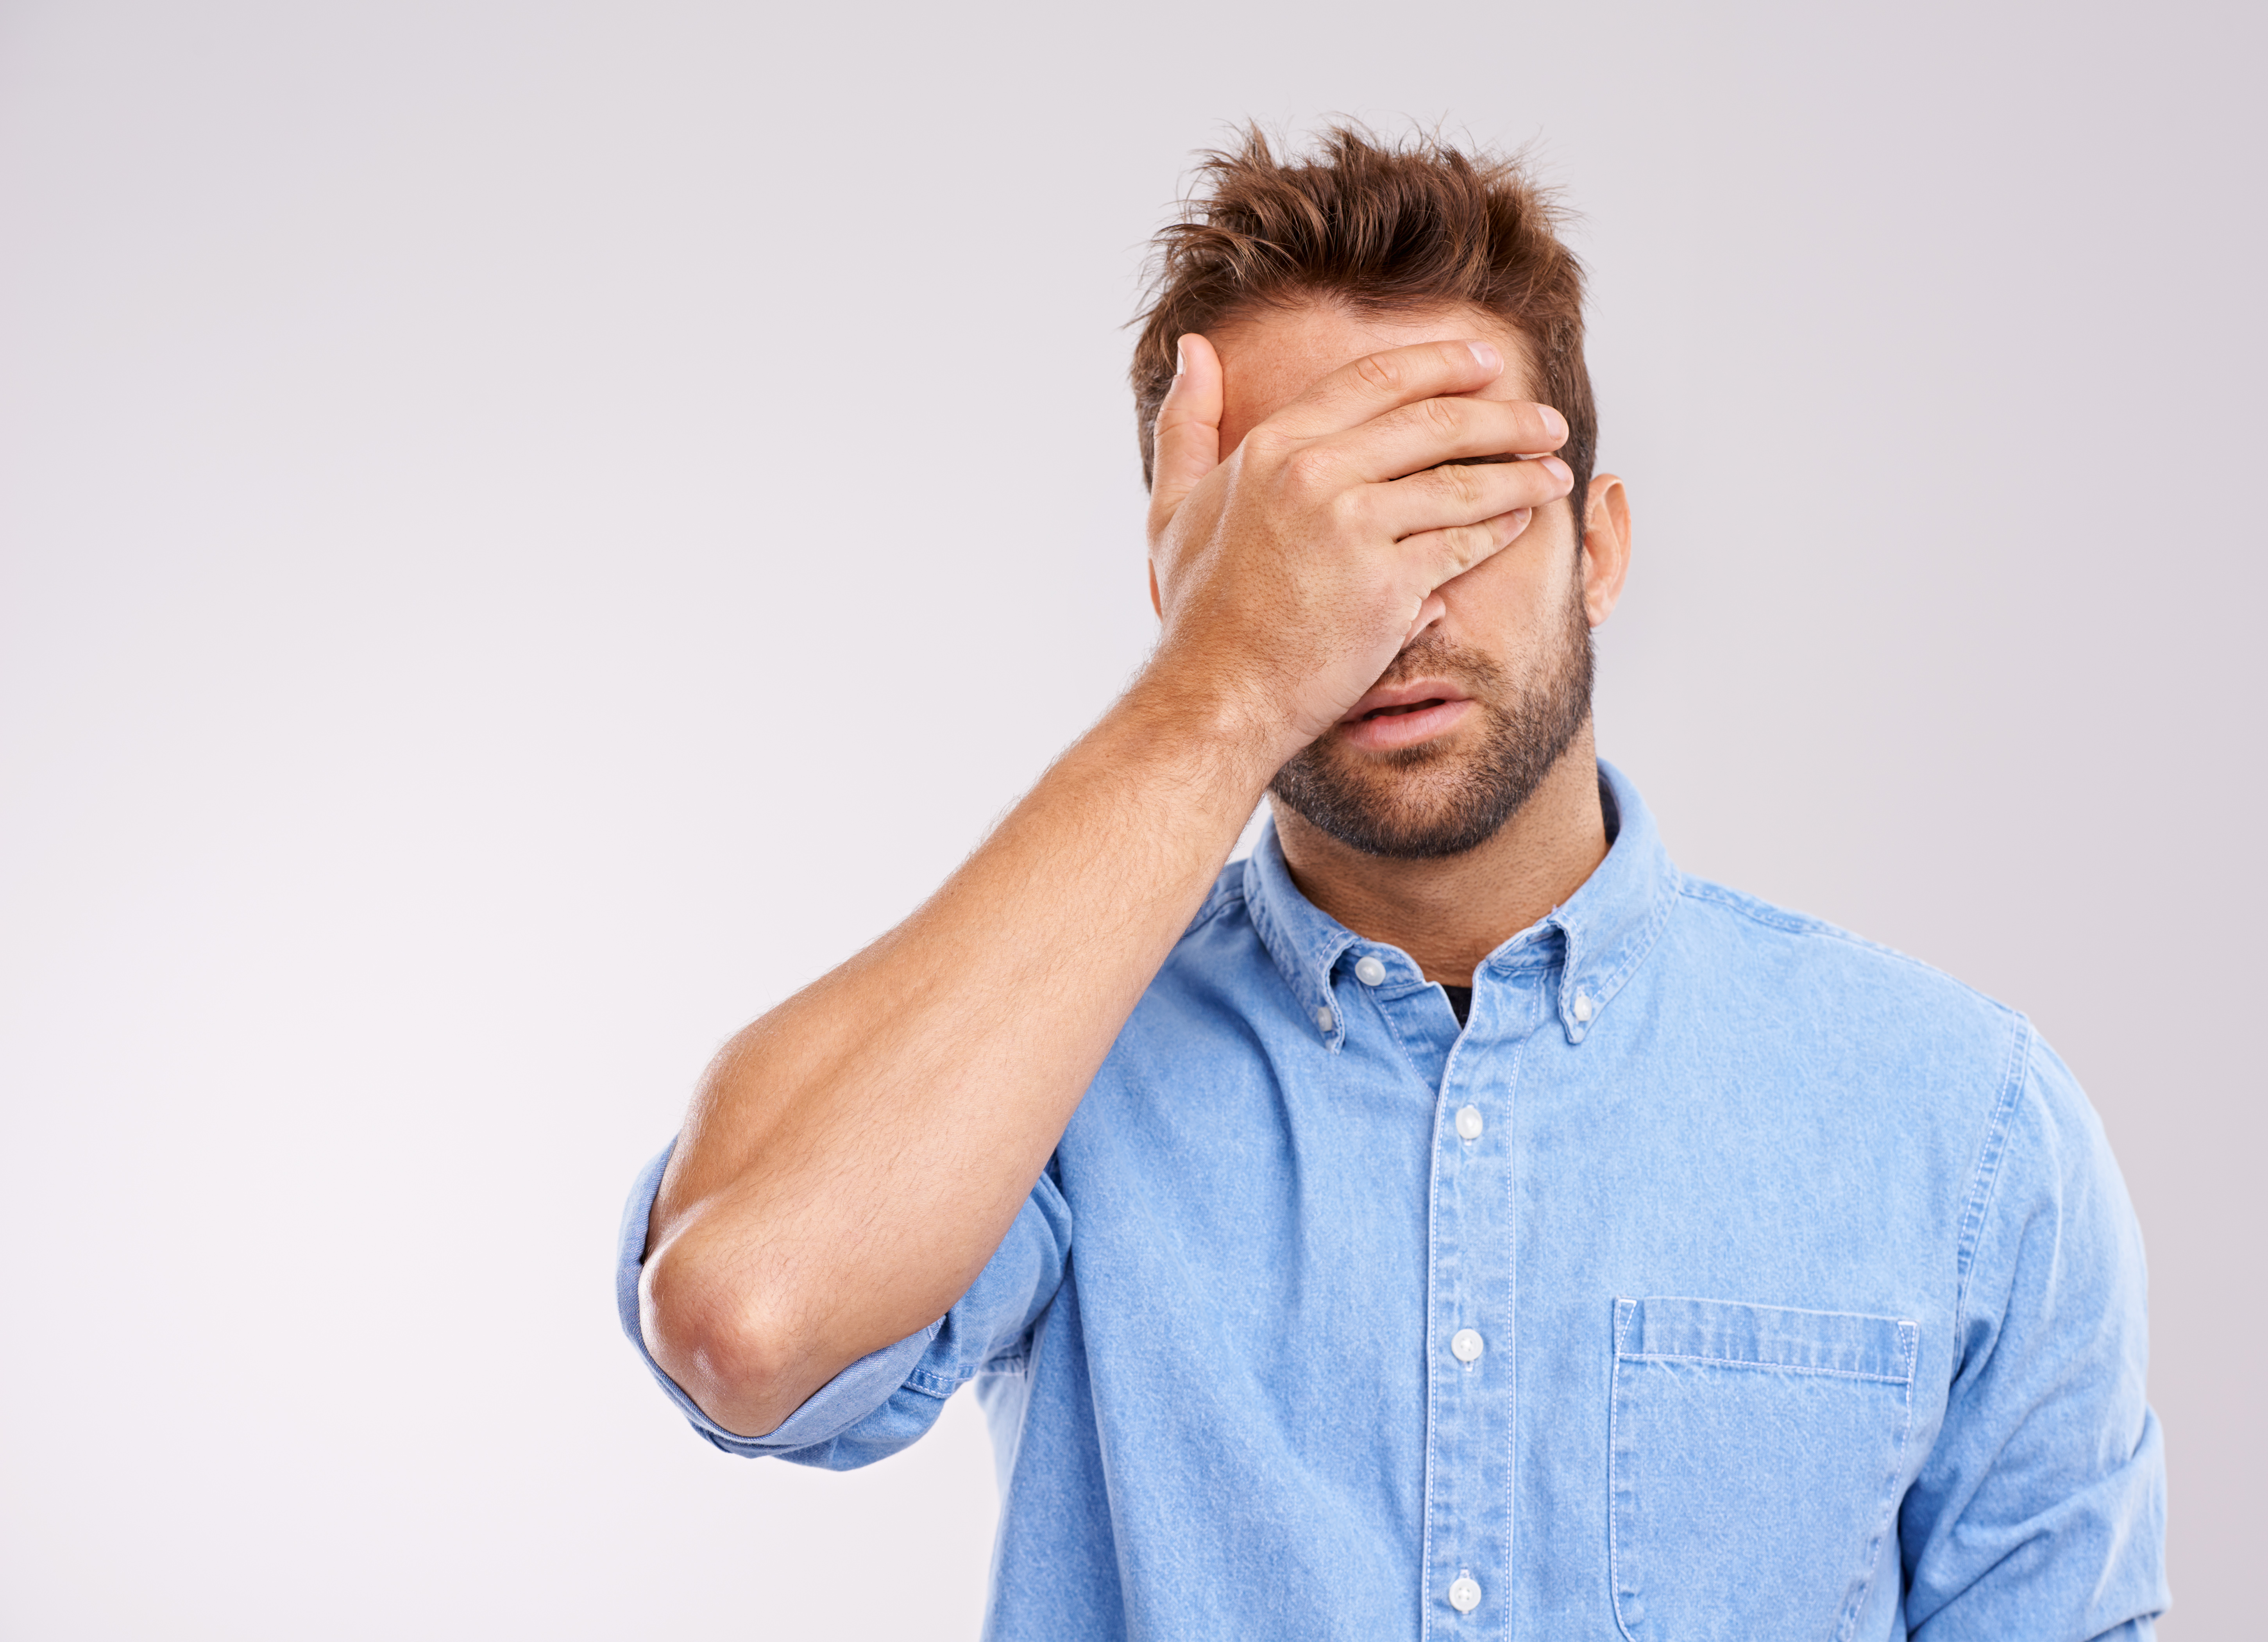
point(1406, 715)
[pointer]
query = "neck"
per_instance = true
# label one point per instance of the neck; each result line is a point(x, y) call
point(1451, 913)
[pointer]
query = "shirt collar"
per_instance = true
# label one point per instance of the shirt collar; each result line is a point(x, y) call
point(1607, 927)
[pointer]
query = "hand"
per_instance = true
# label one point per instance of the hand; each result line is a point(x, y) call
point(1289, 576)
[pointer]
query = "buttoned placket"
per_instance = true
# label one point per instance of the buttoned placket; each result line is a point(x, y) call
point(1470, 1388)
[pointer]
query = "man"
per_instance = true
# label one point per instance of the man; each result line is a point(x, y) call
point(1450, 1221)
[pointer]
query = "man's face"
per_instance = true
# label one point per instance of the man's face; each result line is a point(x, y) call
point(1475, 712)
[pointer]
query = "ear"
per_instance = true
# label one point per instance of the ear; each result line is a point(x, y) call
point(1606, 546)
point(1155, 602)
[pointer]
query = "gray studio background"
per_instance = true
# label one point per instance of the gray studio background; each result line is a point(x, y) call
point(530, 531)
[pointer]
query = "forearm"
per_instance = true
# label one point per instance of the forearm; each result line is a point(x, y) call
point(853, 1157)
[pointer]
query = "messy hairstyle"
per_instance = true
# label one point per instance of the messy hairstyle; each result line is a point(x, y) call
point(1379, 226)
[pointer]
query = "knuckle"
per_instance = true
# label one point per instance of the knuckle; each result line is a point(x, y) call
point(1460, 484)
point(1460, 548)
point(1265, 441)
point(1379, 372)
point(1444, 416)
point(1348, 512)
point(1310, 471)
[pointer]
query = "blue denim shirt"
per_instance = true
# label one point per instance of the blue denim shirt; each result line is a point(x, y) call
point(1724, 1276)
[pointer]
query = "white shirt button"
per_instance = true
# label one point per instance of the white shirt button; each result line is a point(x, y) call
point(1325, 1019)
point(1466, 1342)
point(1368, 971)
point(1584, 1007)
point(1464, 1594)
point(1468, 1123)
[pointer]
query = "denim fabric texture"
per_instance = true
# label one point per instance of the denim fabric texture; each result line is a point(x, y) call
point(1725, 1277)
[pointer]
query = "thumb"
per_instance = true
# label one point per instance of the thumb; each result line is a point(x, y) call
point(1186, 445)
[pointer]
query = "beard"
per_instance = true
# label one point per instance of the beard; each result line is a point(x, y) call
point(1427, 801)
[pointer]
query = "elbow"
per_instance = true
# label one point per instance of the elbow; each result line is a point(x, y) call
point(721, 1346)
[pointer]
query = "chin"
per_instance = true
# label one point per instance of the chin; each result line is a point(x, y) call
point(1420, 804)
point(1440, 799)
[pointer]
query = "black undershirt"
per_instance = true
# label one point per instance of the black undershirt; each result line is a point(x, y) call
point(1461, 999)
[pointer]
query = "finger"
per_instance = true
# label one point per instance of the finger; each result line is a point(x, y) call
point(1444, 554)
point(1186, 444)
point(1435, 431)
point(1461, 493)
point(1355, 393)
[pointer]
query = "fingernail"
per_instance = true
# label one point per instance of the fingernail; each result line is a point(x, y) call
point(1559, 470)
point(1554, 424)
point(1180, 357)
point(1488, 356)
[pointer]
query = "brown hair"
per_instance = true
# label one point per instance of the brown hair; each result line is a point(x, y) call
point(1379, 226)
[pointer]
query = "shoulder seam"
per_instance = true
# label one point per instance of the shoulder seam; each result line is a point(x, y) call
point(1789, 923)
point(1985, 1184)
point(1749, 907)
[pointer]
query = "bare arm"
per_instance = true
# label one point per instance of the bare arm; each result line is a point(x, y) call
point(853, 1157)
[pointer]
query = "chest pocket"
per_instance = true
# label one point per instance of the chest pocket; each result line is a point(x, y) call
point(1756, 1452)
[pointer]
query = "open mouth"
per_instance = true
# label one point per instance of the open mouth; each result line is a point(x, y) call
point(1401, 708)
point(1392, 725)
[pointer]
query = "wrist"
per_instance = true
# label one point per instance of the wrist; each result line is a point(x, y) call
point(1212, 739)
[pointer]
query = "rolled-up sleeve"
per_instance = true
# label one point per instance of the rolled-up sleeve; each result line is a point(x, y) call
point(887, 1399)
point(2040, 1513)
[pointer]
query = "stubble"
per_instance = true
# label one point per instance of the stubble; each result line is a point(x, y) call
point(1426, 802)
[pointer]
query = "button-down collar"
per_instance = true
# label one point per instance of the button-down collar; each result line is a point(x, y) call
point(1605, 929)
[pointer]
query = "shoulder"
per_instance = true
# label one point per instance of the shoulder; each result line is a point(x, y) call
point(1809, 958)
point(2056, 1153)
point(1224, 900)
point(1904, 1024)
point(1773, 995)
point(1195, 1029)
point(1220, 956)
point(1217, 984)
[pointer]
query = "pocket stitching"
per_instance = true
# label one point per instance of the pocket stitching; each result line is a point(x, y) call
point(1626, 1310)
point(1783, 1368)
point(1909, 1336)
